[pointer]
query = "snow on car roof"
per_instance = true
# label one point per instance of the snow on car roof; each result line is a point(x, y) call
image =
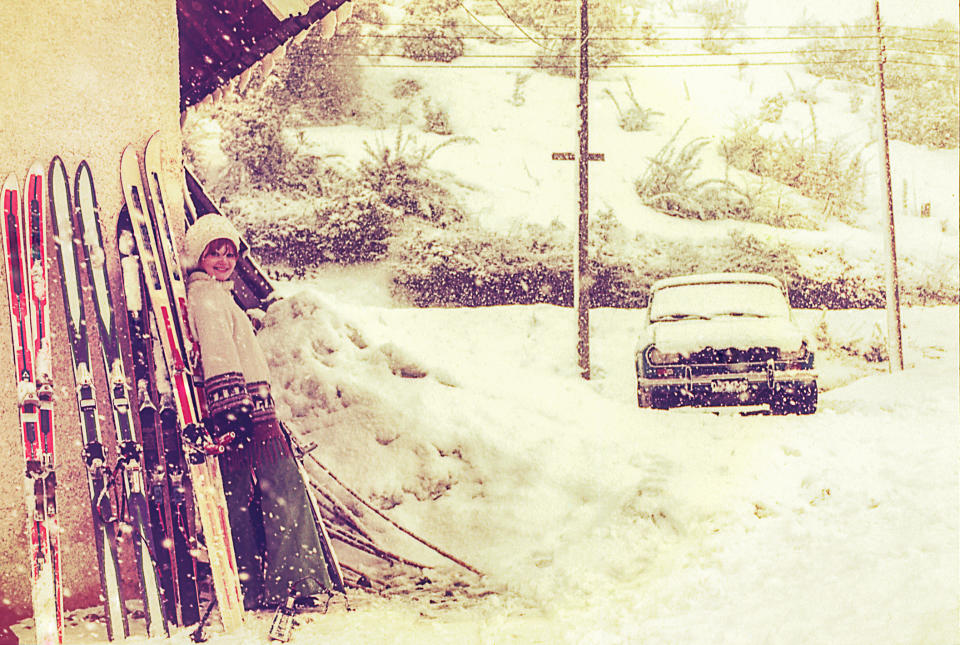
point(715, 278)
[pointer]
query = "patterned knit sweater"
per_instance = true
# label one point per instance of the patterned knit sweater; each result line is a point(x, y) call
point(235, 369)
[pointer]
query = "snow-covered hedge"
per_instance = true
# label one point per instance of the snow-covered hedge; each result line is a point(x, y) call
point(340, 228)
point(441, 267)
point(477, 268)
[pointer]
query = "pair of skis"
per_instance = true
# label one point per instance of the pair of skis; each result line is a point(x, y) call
point(25, 248)
point(77, 227)
point(162, 281)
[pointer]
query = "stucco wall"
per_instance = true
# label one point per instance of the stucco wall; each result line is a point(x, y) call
point(78, 79)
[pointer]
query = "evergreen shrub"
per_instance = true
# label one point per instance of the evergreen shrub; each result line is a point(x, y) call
point(253, 141)
point(315, 82)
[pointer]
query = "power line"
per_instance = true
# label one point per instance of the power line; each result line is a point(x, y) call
point(655, 38)
point(476, 19)
point(701, 54)
point(805, 51)
point(517, 25)
point(567, 27)
point(450, 67)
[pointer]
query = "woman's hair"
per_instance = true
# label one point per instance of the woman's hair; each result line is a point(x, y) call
point(218, 244)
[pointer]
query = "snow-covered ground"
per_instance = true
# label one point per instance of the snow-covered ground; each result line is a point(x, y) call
point(595, 522)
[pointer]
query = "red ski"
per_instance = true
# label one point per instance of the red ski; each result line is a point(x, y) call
point(24, 244)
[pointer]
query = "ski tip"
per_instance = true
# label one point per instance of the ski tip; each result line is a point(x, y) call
point(36, 168)
point(83, 190)
point(151, 153)
point(57, 162)
point(83, 170)
point(57, 173)
point(130, 166)
point(11, 183)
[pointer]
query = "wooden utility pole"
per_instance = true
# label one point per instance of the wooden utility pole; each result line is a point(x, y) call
point(582, 280)
point(894, 338)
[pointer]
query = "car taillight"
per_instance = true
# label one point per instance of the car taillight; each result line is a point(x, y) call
point(799, 355)
point(656, 357)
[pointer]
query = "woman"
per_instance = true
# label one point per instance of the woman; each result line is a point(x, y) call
point(274, 532)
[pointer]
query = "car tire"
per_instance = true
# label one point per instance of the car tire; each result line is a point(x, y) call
point(807, 396)
point(643, 397)
point(660, 399)
point(801, 400)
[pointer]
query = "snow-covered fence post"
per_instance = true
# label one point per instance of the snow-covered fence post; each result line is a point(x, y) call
point(894, 338)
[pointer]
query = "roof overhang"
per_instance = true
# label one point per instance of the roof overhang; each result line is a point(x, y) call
point(221, 39)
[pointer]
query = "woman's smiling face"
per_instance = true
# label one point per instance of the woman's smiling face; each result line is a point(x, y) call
point(219, 259)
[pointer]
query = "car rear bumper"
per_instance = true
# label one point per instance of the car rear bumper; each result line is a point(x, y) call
point(767, 377)
point(727, 389)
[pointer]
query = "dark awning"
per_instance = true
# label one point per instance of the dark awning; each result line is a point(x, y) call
point(219, 39)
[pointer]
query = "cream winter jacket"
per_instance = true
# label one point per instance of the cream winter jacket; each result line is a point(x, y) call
point(235, 369)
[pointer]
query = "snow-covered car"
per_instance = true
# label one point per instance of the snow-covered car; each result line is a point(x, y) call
point(724, 339)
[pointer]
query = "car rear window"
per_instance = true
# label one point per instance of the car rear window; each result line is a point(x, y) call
point(710, 300)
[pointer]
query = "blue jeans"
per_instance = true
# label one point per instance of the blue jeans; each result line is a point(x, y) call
point(275, 535)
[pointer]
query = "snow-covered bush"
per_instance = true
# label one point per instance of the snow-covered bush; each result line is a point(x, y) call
point(431, 32)
point(465, 265)
point(922, 78)
point(400, 175)
point(311, 175)
point(254, 144)
point(849, 53)
point(634, 117)
point(344, 228)
point(436, 119)
point(405, 88)
point(833, 174)
point(315, 83)
point(555, 27)
point(472, 267)
point(719, 17)
point(928, 115)
point(669, 184)
point(771, 109)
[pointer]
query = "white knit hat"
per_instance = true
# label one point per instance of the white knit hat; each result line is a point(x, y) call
point(206, 229)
